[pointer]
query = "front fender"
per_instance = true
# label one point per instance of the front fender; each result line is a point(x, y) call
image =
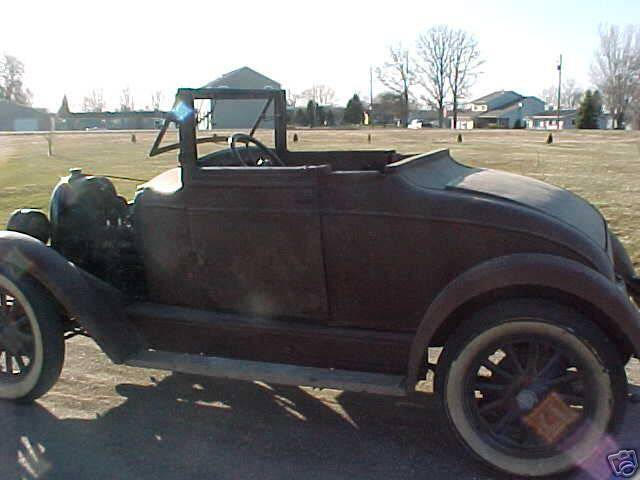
point(540, 270)
point(97, 306)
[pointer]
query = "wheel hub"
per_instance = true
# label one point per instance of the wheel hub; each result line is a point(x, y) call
point(10, 338)
point(526, 400)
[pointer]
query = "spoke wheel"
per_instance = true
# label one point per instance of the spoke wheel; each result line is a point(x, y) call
point(17, 348)
point(531, 387)
point(509, 383)
point(31, 338)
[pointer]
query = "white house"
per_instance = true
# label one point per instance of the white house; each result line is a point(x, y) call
point(548, 120)
point(501, 109)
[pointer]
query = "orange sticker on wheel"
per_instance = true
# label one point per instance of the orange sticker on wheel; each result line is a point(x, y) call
point(551, 418)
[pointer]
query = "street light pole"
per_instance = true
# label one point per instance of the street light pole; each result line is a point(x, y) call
point(559, 89)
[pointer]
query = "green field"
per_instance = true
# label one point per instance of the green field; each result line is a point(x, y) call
point(603, 167)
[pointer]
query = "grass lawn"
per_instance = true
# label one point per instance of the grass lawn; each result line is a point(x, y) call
point(601, 166)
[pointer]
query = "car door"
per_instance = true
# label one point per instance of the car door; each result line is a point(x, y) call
point(256, 240)
point(379, 258)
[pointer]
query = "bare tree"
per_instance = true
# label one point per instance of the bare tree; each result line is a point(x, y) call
point(11, 81)
point(550, 95)
point(569, 96)
point(396, 76)
point(156, 100)
point(127, 103)
point(616, 69)
point(325, 95)
point(293, 98)
point(434, 55)
point(464, 67)
point(94, 102)
point(321, 94)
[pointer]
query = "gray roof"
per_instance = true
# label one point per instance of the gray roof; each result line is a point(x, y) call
point(9, 107)
point(225, 79)
point(499, 112)
point(554, 113)
point(494, 95)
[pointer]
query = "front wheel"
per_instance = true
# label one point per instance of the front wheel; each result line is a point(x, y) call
point(531, 387)
point(31, 339)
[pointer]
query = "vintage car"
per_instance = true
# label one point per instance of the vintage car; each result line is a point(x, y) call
point(339, 269)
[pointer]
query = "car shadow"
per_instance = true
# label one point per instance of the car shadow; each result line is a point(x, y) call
point(192, 427)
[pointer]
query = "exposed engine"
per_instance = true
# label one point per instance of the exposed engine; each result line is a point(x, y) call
point(90, 225)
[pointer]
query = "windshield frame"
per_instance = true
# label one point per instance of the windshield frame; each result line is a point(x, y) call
point(183, 115)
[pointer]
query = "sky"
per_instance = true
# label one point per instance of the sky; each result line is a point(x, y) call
point(72, 47)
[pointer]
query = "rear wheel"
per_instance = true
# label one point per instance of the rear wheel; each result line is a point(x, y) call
point(531, 387)
point(31, 339)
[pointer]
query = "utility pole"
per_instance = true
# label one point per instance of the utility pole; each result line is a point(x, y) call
point(559, 89)
point(371, 96)
point(406, 90)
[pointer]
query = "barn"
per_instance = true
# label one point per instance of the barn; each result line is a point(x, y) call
point(20, 118)
point(228, 114)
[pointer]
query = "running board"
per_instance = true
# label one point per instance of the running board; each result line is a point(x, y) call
point(277, 373)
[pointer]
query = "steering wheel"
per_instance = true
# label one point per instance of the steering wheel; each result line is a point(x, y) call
point(247, 139)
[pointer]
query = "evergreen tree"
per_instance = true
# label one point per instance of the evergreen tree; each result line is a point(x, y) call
point(312, 113)
point(354, 113)
point(598, 103)
point(589, 110)
point(331, 119)
point(321, 115)
point(300, 117)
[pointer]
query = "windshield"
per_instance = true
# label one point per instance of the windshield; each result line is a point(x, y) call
point(217, 119)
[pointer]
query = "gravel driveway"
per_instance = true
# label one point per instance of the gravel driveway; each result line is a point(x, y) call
point(103, 421)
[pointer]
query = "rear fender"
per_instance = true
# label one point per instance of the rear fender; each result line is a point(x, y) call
point(537, 270)
point(95, 305)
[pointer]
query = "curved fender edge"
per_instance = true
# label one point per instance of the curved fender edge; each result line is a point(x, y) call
point(526, 270)
point(96, 305)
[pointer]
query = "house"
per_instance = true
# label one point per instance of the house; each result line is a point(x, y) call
point(127, 120)
point(605, 121)
point(548, 120)
point(21, 118)
point(501, 109)
point(238, 114)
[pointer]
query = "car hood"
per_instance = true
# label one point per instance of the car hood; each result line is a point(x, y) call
point(549, 199)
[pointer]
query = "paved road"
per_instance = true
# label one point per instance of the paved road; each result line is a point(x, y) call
point(107, 422)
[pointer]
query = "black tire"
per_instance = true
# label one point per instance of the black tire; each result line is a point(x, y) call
point(500, 416)
point(45, 352)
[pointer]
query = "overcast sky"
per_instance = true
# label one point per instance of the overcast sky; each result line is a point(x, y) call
point(71, 47)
